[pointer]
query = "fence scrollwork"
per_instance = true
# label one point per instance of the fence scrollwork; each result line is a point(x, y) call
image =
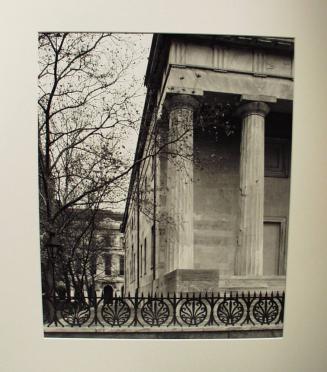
point(183, 310)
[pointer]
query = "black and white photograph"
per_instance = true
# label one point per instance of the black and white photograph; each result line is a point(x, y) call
point(164, 184)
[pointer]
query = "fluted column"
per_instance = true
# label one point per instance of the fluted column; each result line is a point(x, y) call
point(249, 259)
point(180, 235)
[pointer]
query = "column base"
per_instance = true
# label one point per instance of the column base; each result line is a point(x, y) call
point(253, 283)
point(190, 280)
point(202, 281)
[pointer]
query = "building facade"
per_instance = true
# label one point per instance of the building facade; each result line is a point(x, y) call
point(208, 201)
point(97, 263)
point(110, 268)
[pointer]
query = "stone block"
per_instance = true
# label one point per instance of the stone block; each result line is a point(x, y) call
point(191, 280)
point(254, 283)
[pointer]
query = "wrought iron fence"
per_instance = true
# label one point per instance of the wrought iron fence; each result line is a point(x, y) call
point(183, 310)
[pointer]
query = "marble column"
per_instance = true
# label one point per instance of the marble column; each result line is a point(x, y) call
point(249, 258)
point(180, 235)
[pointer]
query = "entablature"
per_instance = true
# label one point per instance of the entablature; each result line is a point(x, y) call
point(249, 59)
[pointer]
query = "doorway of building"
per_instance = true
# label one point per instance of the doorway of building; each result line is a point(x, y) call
point(107, 294)
point(274, 246)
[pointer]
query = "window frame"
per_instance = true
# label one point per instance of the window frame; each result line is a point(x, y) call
point(283, 171)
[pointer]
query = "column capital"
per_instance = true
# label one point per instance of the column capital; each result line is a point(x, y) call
point(181, 101)
point(253, 108)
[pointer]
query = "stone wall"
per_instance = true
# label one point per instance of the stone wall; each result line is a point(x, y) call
point(201, 69)
point(216, 184)
point(216, 195)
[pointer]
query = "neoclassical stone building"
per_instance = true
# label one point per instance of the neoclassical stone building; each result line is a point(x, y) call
point(208, 201)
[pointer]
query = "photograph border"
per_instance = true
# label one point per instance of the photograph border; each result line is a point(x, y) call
point(302, 347)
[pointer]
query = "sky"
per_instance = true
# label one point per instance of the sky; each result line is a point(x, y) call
point(139, 70)
point(144, 42)
point(127, 53)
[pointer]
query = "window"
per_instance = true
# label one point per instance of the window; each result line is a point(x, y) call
point(153, 165)
point(132, 264)
point(145, 190)
point(152, 247)
point(78, 265)
point(277, 157)
point(109, 241)
point(131, 270)
point(141, 260)
point(144, 255)
point(93, 265)
point(107, 264)
point(121, 265)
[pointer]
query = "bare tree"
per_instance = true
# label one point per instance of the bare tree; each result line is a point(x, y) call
point(87, 106)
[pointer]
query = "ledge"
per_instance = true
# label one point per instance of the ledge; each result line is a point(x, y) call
point(268, 331)
point(257, 284)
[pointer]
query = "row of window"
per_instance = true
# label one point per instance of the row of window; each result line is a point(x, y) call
point(143, 193)
point(108, 265)
point(143, 257)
